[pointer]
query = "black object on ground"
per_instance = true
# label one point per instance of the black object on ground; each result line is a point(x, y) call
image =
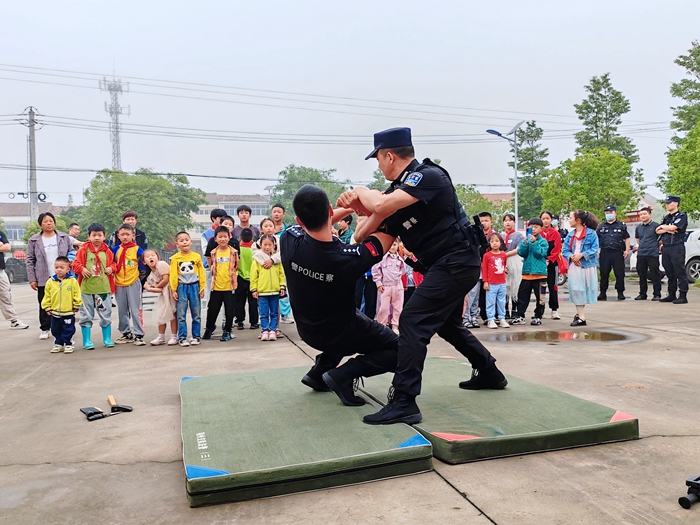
point(693, 495)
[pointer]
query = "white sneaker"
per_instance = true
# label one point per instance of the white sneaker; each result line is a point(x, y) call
point(68, 349)
point(16, 324)
point(183, 342)
point(44, 334)
point(160, 340)
point(56, 349)
point(555, 315)
point(286, 320)
point(194, 341)
point(492, 324)
point(173, 340)
point(504, 324)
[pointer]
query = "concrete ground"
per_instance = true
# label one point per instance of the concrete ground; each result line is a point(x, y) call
point(55, 467)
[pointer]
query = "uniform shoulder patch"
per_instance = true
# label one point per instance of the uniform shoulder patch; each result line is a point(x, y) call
point(296, 231)
point(413, 179)
point(372, 248)
point(351, 249)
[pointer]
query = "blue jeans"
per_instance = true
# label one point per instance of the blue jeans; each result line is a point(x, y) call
point(496, 297)
point(268, 306)
point(188, 293)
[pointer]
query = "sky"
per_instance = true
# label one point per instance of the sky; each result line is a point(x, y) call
point(256, 86)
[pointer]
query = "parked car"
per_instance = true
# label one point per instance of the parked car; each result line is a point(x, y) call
point(692, 257)
point(16, 269)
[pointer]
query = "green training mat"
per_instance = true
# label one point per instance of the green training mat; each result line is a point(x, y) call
point(261, 434)
point(465, 425)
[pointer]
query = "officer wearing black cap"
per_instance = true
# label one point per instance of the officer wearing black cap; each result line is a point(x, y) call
point(422, 208)
point(614, 242)
point(672, 232)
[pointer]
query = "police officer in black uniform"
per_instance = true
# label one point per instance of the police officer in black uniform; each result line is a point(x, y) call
point(321, 272)
point(422, 208)
point(672, 232)
point(614, 242)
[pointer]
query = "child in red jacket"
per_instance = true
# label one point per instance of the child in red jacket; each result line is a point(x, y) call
point(493, 274)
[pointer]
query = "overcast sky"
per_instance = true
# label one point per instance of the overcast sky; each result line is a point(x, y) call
point(449, 70)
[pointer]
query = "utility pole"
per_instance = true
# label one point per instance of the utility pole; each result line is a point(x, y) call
point(115, 88)
point(31, 123)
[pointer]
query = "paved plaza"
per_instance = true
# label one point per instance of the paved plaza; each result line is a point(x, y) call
point(56, 468)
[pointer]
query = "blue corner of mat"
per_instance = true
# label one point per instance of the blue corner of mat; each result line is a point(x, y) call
point(187, 378)
point(194, 472)
point(416, 441)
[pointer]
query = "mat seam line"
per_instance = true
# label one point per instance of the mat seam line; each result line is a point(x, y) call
point(464, 495)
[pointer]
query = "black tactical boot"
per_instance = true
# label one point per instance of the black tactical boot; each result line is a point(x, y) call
point(314, 377)
point(668, 299)
point(400, 408)
point(490, 378)
point(682, 298)
point(343, 381)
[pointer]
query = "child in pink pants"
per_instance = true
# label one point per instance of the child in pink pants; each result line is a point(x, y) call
point(387, 275)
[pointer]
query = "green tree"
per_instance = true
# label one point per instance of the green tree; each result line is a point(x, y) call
point(683, 175)
point(162, 202)
point(532, 169)
point(474, 202)
point(591, 181)
point(601, 113)
point(378, 181)
point(33, 227)
point(294, 177)
point(687, 115)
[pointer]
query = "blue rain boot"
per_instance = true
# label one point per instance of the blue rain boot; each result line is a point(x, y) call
point(107, 336)
point(87, 342)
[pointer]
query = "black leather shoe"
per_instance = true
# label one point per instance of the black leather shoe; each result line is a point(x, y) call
point(682, 298)
point(578, 321)
point(602, 297)
point(640, 297)
point(344, 387)
point(401, 408)
point(312, 381)
point(621, 297)
point(491, 378)
point(656, 298)
point(668, 299)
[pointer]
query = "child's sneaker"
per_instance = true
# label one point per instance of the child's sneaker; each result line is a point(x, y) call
point(68, 349)
point(138, 341)
point(44, 334)
point(160, 340)
point(16, 324)
point(56, 349)
point(536, 321)
point(173, 340)
point(264, 336)
point(518, 320)
point(475, 323)
point(207, 334)
point(125, 338)
point(271, 336)
point(504, 324)
point(555, 315)
point(195, 341)
point(492, 324)
point(183, 342)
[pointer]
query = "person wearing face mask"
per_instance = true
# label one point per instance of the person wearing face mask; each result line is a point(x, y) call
point(563, 232)
point(614, 242)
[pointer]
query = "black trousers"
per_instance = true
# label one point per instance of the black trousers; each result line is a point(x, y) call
point(673, 258)
point(612, 260)
point(365, 287)
point(482, 302)
point(44, 318)
point(552, 272)
point(407, 293)
point(526, 288)
point(216, 299)
point(62, 329)
point(648, 265)
point(436, 307)
point(376, 344)
point(242, 295)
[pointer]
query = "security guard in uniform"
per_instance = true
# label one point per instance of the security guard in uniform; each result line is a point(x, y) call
point(672, 232)
point(422, 208)
point(321, 272)
point(614, 242)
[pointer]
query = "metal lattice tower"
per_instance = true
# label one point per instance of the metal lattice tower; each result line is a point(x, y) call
point(115, 88)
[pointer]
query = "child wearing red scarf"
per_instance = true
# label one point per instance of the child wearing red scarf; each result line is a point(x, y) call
point(128, 286)
point(95, 267)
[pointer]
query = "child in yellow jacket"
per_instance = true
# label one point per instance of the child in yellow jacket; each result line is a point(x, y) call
point(267, 286)
point(62, 298)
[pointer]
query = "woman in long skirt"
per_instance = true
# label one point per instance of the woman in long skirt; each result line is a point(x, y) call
point(581, 251)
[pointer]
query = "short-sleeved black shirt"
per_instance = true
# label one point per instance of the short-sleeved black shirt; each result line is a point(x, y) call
point(680, 221)
point(648, 239)
point(436, 201)
point(321, 279)
point(3, 240)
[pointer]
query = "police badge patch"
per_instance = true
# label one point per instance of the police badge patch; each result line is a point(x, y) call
point(413, 179)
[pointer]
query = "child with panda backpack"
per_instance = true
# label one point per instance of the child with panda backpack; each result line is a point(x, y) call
point(188, 283)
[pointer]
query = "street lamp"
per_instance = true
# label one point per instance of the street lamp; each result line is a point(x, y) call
point(513, 141)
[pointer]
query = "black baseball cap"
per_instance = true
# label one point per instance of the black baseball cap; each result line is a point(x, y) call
point(390, 138)
point(610, 207)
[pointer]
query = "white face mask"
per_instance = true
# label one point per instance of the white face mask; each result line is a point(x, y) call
point(554, 222)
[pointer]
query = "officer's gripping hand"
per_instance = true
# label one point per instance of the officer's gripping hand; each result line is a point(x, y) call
point(347, 199)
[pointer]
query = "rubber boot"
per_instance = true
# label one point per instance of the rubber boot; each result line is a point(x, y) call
point(87, 342)
point(107, 336)
point(682, 298)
